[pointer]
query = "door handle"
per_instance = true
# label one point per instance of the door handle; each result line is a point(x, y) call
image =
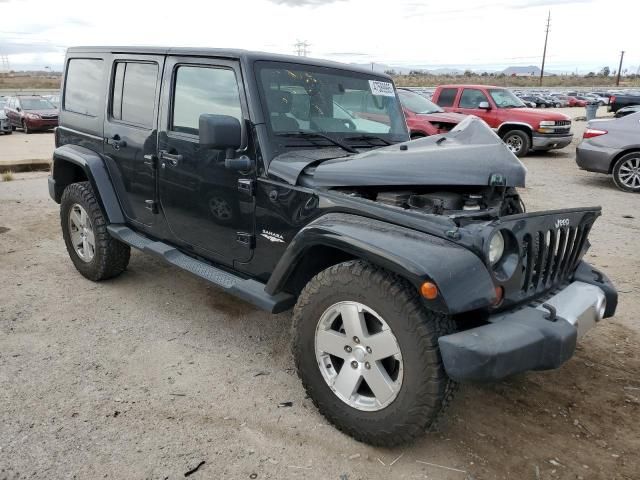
point(116, 142)
point(171, 158)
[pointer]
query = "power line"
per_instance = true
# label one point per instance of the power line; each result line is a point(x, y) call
point(544, 52)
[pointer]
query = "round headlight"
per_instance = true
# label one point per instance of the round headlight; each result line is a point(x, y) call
point(496, 248)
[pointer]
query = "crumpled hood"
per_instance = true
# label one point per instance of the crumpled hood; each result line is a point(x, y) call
point(467, 155)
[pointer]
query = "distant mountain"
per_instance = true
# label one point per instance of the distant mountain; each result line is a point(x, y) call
point(531, 71)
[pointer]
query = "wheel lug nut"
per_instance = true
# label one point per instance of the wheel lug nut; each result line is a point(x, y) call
point(367, 365)
point(347, 348)
point(356, 339)
point(354, 364)
point(369, 350)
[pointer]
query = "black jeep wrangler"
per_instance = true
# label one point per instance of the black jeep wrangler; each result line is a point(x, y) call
point(292, 183)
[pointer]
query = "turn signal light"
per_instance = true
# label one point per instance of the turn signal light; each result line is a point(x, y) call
point(593, 132)
point(429, 290)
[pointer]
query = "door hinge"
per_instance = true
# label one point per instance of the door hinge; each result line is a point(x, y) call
point(246, 239)
point(151, 161)
point(245, 185)
point(151, 205)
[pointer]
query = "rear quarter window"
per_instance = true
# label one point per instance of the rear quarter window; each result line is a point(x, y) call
point(447, 97)
point(82, 90)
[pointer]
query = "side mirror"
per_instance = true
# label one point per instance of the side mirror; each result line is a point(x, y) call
point(220, 132)
point(484, 106)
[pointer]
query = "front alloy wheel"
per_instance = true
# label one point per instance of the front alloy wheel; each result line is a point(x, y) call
point(366, 350)
point(358, 356)
point(518, 142)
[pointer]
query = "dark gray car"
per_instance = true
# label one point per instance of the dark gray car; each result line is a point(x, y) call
point(613, 147)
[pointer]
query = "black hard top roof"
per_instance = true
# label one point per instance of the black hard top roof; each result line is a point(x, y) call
point(247, 55)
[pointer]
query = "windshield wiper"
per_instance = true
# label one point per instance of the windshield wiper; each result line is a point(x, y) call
point(310, 135)
point(368, 138)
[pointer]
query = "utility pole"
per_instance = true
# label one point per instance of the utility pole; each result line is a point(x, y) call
point(619, 69)
point(5, 67)
point(302, 48)
point(544, 52)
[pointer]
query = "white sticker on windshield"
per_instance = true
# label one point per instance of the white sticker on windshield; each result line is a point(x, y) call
point(382, 88)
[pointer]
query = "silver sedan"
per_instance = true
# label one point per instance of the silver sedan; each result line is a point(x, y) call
point(612, 146)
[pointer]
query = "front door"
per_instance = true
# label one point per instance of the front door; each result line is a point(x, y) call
point(204, 203)
point(130, 133)
point(469, 104)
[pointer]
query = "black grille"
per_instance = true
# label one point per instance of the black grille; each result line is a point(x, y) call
point(551, 245)
point(551, 256)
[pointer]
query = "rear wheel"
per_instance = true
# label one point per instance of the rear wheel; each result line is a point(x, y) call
point(367, 353)
point(95, 254)
point(626, 173)
point(518, 142)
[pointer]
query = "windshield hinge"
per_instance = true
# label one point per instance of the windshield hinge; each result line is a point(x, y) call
point(245, 185)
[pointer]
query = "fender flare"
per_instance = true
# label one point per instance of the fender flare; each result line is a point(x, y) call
point(462, 278)
point(96, 172)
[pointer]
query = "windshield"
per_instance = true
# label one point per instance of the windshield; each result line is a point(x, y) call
point(505, 99)
point(337, 103)
point(3, 102)
point(36, 104)
point(416, 103)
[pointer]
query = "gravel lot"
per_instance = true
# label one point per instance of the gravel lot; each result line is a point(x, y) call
point(149, 374)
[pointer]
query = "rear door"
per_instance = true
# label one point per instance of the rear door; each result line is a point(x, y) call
point(130, 133)
point(208, 207)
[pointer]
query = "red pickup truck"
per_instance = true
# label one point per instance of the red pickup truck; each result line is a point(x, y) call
point(521, 128)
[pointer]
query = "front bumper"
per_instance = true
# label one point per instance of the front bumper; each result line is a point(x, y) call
point(549, 142)
point(532, 337)
point(41, 123)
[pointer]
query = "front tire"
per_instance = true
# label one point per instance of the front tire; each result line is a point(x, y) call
point(518, 142)
point(95, 254)
point(25, 128)
point(626, 172)
point(367, 353)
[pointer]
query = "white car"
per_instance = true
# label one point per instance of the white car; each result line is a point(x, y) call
point(4, 121)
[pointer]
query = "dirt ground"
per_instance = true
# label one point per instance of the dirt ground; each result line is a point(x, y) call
point(149, 374)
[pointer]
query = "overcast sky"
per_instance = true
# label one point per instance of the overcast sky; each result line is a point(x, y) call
point(480, 34)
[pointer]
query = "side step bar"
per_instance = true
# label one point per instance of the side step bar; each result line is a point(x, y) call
point(249, 290)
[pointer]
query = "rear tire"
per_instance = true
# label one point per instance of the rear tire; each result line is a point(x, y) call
point(95, 254)
point(626, 173)
point(413, 372)
point(518, 142)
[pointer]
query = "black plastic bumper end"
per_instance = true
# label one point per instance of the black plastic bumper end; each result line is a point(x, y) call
point(527, 341)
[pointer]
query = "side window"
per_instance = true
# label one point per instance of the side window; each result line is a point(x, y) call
point(471, 98)
point(134, 93)
point(199, 90)
point(82, 86)
point(447, 97)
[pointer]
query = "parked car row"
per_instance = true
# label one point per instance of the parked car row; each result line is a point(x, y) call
point(27, 112)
